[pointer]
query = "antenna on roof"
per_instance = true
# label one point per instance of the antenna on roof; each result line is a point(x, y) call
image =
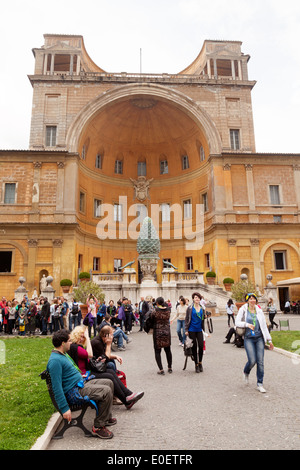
point(140, 60)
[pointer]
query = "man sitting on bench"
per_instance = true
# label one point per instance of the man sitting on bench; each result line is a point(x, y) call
point(65, 376)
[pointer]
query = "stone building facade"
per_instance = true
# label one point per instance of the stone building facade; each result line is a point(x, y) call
point(161, 142)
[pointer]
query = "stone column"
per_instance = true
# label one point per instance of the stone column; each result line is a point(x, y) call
point(59, 212)
point(57, 247)
point(230, 218)
point(256, 261)
point(296, 169)
point(32, 254)
point(253, 218)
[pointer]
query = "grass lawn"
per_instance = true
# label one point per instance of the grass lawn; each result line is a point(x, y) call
point(25, 406)
point(288, 340)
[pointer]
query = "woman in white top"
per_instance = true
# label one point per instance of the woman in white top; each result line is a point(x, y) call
point(230, 312)
point(251, 317)
point(180, 315)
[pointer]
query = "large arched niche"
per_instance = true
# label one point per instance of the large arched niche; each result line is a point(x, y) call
point(177, 108)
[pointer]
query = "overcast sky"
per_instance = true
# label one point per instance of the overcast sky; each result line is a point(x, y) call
point(171, 34)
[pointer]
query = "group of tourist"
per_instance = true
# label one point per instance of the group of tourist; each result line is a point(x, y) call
point(89, 364)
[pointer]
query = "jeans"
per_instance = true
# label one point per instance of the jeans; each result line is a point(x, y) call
point(255, 349)
point(119, 334)
point(181, 327)
point(73, 319)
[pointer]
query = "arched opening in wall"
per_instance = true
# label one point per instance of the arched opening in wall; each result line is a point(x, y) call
point(247, 272)
point(42, 279)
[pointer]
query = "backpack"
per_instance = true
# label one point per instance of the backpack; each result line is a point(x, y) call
point(75, 309)
point(149, 321)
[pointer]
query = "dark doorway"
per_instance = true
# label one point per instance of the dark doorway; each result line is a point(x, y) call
point(283, 296)
point(5, 261)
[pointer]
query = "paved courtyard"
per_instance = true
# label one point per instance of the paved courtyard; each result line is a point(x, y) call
point(212, 410)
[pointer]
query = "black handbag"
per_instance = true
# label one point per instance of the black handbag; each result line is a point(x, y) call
point(209, 322)
point(97, 365)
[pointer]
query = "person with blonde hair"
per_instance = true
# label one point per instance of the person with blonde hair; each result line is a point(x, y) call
point(81, 351)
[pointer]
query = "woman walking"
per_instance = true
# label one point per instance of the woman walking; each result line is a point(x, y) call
point(251, 317)
point(162, 334)
point(271, 309)
point(180, 315)
point(230, 312)
point(194, 327)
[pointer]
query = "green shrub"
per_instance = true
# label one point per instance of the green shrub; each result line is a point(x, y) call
point(84, 275)
point(66, 282)
point(210, 274)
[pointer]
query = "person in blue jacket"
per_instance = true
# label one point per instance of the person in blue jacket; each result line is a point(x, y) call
point(65, 375)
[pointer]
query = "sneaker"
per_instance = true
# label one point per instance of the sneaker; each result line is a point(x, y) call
point(260, 388)
point(121, 348)
point(111, 422)
point(102, 432)
point(161, 372)
point(246, 379)
point(128, 340)
point(133, 398)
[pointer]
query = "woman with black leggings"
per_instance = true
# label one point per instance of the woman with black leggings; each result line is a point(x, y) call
point(162, 334)
point(194, 326)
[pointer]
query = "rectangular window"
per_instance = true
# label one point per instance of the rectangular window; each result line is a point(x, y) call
point(5, 261)
point(205, 202)
point(207, 260)
point(80, 261)
point(117, 264)
point(164, 167)
point(189, 263)
point(98, 163)
point(97, 208)
point(165, 212)
point(280, 260)
point(118, 167)
point(185, 162)
point(277, 219)
point(82, 202)
point(96, 264)
point(235, 139)
point(10, 193)
point(274, 194)
point(187, 209)
point(142, 169)
point(51, 136)
point(118, 212)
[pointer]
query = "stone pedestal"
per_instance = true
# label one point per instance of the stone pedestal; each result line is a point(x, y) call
point(21, 290)
point(48, 291)
point(149, 288)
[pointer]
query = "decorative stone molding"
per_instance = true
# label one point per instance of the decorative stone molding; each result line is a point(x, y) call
point(296, 167)
point(141, 188)
point(57, 243)
point(227, 167)
point(231, 242)
point(254, 241)
point(33, 243)
point(37, 164)
point(60, 165)
point(248, 167)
